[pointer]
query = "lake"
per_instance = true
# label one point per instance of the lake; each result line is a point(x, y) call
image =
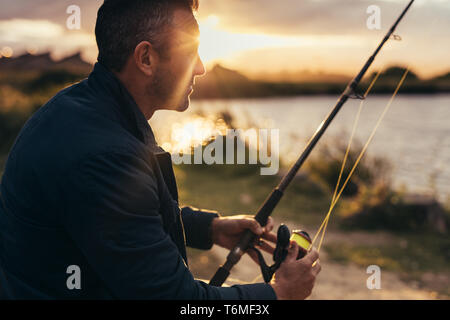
point(414, 135)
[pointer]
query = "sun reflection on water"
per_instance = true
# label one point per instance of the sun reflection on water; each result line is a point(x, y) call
point(194, 131)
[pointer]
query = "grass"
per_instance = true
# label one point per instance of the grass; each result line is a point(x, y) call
point(214, 187)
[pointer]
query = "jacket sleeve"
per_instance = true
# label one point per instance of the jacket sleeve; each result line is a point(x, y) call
point(197, 227)
point(111, 214)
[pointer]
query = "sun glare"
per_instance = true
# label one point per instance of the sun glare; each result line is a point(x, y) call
point(192, 132)
point(15, 30)
point(216, 44)
point(219, 44)
point(6, 52)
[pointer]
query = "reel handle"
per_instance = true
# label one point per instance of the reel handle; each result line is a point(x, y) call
point(284, 237)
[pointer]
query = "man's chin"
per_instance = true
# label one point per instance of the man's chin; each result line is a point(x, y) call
point(183, 106)
point(179, 105)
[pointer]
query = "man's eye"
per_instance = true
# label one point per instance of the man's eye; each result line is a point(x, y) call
point(189, 47)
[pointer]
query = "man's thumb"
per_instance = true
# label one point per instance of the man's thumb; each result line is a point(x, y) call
point(292, 252)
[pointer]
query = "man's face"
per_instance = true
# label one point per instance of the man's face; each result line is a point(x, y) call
point(177, 67)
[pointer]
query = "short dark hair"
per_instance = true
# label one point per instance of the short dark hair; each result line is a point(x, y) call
point(122, 24)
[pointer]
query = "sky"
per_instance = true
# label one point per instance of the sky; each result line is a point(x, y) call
point(259, 36)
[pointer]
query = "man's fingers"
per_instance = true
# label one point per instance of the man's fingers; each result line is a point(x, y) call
point(311, 256)
point(248, 222)
point(252, 224)
point(269, 225)
point(270, 236)
point(266, 247)
point(292, 252)
point(316, 268)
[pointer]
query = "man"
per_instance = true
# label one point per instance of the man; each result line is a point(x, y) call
point(89, 204)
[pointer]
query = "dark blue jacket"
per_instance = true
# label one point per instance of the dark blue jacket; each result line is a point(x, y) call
point(85, 184)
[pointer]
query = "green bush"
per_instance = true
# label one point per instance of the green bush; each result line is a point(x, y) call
point(325, 165)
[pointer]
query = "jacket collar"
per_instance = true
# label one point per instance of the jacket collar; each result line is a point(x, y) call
point(106, 82)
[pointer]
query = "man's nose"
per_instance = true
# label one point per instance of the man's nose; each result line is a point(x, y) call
point(199, 69)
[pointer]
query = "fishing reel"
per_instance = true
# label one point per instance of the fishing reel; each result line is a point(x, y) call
point(284, 237)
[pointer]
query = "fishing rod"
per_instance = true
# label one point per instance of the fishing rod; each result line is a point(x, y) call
point(275, 196)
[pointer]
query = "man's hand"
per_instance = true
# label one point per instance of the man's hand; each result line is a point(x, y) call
point(226, 232)
point(295, 279)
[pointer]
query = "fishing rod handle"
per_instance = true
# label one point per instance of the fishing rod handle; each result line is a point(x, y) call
point(219, 277)
point(267, 207)
point(247, 238)
point(261, 217)
point(233, 257)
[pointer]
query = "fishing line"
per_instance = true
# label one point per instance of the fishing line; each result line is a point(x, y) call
point(336, 196)
point(347, 151)
point(324, 223)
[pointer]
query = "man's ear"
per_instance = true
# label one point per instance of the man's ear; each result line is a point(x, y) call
point(145, 58)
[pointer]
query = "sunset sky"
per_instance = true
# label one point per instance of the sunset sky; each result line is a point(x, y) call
point(257, 36)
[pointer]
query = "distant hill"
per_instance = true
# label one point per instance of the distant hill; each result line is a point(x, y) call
point(220, 73)
point(297, 76)
point(395, 73)
point(223, 83)
point(445, 76)
point(34, 73)
point(44, 62)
